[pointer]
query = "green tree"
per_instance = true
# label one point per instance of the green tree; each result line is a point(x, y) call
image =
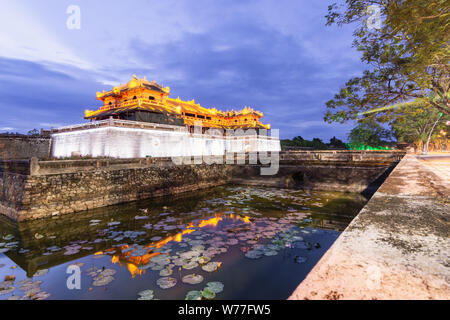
point(336, 143)
point(368, 134)
point(413, 122)
point(408, 57)
point(298, 141)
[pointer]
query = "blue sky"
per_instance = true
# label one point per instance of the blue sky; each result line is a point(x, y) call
point(276, 56)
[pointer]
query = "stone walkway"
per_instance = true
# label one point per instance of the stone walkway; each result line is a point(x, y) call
point(440, 167)
point(398, 247)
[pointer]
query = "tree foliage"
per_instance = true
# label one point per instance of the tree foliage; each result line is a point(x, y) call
point(413, 122)
point(408, 57)
point(315, 143)
point(368, 134)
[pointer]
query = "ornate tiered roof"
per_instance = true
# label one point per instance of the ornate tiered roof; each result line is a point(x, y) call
point(143, 95)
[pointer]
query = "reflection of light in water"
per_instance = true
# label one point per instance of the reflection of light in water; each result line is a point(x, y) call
point(210, 222)
point(132, 262)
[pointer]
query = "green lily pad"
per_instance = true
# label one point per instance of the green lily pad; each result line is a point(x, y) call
point(215, 286)
point(194, 295)
point(207, 293)
point(146, 295)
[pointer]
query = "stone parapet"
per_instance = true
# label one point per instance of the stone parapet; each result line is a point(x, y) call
point(398, 247)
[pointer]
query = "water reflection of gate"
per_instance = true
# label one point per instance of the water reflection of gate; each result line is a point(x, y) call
point(133, 262)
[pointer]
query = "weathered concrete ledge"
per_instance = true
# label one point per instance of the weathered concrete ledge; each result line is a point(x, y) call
point(398, 247)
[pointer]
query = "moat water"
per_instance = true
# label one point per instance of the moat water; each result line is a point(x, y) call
point(229, 242)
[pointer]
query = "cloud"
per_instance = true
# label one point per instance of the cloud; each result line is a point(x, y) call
point(276, 57)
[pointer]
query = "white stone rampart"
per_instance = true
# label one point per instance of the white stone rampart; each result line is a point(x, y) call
point(126, 142)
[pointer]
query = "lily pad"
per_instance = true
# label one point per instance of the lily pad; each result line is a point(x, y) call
point(215, 286)
point(108, 272)
point(190, 254)
point(270, 253)
point(204, 259)
point(198, 248)
point(232, 242)
point(40, 273)
point(194, 295)
point(41, 295)
point(253, 254)
point(166, 282)
point(165, 272)
point(102, 281)
point(156, 267)
point(211, 266)
point(192, 278)
point(7, 290)
point(207, 293)
point(190, 265)
point(146, 295)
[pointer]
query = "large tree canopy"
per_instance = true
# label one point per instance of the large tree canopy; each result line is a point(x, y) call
point(368, 134)
point(412, 123)
point(407, 53)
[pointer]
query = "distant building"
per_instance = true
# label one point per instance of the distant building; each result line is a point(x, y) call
point(138, 119)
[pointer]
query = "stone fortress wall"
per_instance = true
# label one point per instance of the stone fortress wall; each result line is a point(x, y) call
point(23, 147)
point(35, 189)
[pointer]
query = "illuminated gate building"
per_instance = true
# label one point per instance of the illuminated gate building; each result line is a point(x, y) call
point(139, 119)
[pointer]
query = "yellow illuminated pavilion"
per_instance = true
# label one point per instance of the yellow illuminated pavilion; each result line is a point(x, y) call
point(143, 100)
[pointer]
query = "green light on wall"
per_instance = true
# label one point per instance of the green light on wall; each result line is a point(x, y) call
point(364, 147)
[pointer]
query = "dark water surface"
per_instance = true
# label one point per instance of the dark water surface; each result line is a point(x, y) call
point(237, 242)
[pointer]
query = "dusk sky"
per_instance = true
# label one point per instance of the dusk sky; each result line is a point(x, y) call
point(275, 56)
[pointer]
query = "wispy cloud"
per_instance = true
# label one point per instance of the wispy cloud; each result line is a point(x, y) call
point(278, 58)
